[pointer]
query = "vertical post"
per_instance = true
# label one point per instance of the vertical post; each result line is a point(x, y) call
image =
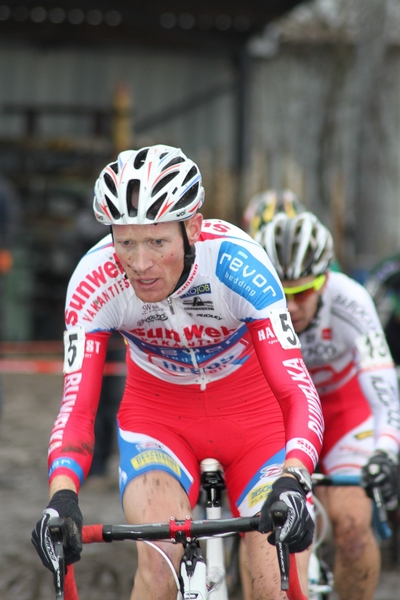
point(122, 121)
point(364, 217)
point(243, 131)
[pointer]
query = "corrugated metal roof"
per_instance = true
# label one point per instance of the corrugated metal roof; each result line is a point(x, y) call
point(222, 25)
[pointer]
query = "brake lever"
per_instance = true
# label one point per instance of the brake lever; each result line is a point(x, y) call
point(56, 528)
point(380, 515)
point(279, 511)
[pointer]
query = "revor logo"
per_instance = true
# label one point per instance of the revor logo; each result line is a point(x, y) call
point(244, 274)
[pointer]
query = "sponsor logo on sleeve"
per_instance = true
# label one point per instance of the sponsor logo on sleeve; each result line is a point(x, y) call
point(298, 372)
point(245, 275)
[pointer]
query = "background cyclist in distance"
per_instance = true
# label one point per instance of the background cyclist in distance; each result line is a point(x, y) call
point(214, 370)
point(265, 205)
point(345, 350)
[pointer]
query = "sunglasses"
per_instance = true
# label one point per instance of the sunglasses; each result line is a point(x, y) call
point(300, 293)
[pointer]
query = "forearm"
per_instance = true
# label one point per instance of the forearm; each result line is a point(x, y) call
point(294, 462)
point(380, 389)
point(61, 482)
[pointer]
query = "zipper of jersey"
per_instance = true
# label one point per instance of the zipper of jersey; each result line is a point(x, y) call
point(187, 347)
point(171, 307)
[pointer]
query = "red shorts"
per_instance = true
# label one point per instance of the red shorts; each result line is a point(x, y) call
point(349, 438)
point(236, 420)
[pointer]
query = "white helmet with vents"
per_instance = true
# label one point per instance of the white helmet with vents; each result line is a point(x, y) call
point(155, 184)
point(297, 246)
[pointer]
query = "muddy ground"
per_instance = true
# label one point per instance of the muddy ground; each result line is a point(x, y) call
point(106, 571)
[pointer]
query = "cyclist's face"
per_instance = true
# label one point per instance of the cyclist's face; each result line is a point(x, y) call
point(303, 305)
point(152, 255)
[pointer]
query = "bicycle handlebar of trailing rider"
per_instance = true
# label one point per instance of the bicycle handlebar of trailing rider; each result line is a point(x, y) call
point(380, 518)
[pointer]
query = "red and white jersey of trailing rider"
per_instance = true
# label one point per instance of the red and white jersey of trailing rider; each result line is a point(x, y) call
point(346, 340)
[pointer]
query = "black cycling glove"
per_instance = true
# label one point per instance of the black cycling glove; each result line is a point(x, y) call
point(298, 530)
point(63, 504)
point(381, 472)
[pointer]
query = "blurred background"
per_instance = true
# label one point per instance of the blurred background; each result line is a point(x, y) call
point(299, 94)
point(271, 93)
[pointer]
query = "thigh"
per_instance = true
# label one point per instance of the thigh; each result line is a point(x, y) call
point(142, 454)
point(154, 497)
point(237, 421)
point(249, 479)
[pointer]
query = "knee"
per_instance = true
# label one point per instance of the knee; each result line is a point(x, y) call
point(155, 569)
point(352, 535)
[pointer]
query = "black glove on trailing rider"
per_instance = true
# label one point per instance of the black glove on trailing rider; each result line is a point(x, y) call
point(299, 527)
point(63, 504)
point(381, 472)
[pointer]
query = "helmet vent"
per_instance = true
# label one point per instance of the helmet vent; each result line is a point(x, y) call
point(187, 197)
point(110, 184)
point(140, 158)
point(114, 167)
point(113, 209)
point(174, 161)
point(190, 175)
point(154, 208)
point(132, 197)
point(163, 182)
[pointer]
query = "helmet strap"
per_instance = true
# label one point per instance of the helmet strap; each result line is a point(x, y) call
point(190, 251)
point(190, 255)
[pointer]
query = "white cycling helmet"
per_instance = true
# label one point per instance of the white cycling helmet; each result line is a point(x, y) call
point(297, 246)
point(155, 184)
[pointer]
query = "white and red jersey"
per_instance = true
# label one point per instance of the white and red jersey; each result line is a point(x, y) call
point(346, 340)
point(231, 306)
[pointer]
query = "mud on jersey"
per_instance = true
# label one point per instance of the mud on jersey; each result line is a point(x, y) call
point(231, 305)
point(199, 333)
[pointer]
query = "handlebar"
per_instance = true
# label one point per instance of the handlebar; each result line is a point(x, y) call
point(175, 531)
point(183, 531)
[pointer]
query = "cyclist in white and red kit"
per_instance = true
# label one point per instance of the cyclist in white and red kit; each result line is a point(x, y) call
point(346, 353)
point(214, 370)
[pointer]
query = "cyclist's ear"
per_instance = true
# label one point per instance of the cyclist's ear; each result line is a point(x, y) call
point(193, 228)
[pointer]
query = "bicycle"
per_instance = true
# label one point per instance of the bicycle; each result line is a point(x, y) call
point(198, 577)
